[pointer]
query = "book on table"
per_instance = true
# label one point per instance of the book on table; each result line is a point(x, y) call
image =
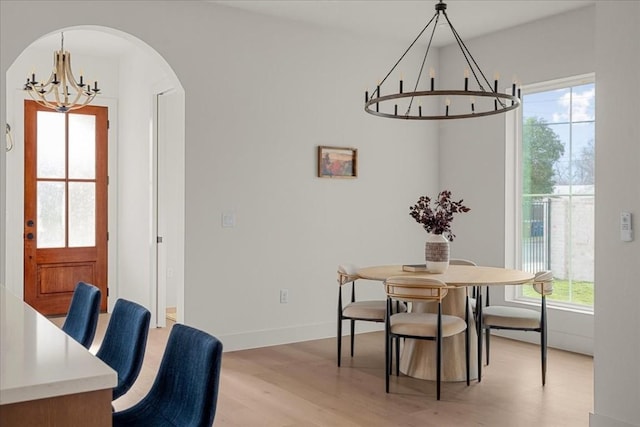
point(414, 267)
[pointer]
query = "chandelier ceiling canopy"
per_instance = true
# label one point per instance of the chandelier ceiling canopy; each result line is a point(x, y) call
point(61, 92)
point(483, 99)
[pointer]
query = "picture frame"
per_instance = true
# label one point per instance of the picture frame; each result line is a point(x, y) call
point(337, 162)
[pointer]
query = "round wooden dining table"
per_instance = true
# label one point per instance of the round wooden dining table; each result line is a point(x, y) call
point(418, 356)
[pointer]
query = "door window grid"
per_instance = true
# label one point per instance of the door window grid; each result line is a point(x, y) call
point(66, 180)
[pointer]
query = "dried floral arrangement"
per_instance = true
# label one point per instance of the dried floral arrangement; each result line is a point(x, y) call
point(437, 219)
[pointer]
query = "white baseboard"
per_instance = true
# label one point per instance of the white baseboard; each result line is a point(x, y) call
point(270, 337)
point(596, 420)
point(556, 339)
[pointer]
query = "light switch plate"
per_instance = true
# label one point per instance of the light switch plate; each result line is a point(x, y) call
point(228, 219)
point(626, 230)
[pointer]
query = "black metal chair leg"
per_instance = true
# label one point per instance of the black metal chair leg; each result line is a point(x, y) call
point(439, 366)
point(387, 357)
point(339, 334)
point(466, 354)
point(480, 328)
point(487, 338)
point(339, 340)
point(466, 337)
point(353, 331)
point(387, 346)
point(543, 346)
point(543, 339)
point(439, 352)
point(397, 356)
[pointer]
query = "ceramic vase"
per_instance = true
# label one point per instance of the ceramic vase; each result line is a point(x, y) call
point(436, 253)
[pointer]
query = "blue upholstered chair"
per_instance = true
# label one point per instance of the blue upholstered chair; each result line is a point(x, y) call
point(82, 317)
point(185, 391)
point(124, 343)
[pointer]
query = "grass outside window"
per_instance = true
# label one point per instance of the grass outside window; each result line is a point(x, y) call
point(564, 291)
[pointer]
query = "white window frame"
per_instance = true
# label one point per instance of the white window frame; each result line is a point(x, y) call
point(570, 327)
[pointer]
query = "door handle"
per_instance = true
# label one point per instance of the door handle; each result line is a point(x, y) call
point(30, 223)
point(30, 236)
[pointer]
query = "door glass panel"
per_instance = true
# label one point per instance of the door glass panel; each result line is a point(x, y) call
point(82, 214)
point(82, 146)
point(51, 146)
point(51, 215)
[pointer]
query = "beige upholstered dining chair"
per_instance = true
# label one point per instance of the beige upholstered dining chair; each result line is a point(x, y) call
point(370, 311)
point(517, 319)
point(423, 326)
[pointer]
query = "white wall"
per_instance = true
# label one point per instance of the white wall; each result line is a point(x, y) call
point(472, 152)
point(260, 96)
point(280, 90)
point(617, 331)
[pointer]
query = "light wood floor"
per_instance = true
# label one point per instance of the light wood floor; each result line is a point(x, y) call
point(300, 385)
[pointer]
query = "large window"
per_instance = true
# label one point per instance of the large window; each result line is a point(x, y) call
point(556, 202)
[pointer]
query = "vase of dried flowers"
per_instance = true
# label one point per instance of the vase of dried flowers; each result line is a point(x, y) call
point(436, 253)
point(436, 220)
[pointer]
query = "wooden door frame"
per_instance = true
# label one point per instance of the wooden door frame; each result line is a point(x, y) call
point(57, 302)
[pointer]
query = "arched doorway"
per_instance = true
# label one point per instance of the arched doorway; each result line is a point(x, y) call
point(133, 76)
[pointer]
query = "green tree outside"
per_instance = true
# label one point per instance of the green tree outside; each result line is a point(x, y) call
point(541, 150)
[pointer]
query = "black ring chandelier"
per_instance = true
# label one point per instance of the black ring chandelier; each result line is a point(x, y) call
point(469, 103)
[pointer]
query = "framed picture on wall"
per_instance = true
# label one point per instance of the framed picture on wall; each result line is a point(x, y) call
point(337, 162)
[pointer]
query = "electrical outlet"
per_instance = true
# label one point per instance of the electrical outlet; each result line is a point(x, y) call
point(284, 296)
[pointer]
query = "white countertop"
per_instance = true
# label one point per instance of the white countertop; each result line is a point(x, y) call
point(38, 360)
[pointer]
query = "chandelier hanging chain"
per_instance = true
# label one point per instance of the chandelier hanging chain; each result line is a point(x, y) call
point(424, 59)
point(376, 92)
point(467, 108)
point(467, 54)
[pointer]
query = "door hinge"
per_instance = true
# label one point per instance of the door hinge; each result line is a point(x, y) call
point(107, 236)
point(107, 179)
point(108, 124)
point(107, 291)
point(159, 239)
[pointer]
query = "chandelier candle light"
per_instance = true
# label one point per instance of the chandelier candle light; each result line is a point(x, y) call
point(470, 102)
point(62, 92)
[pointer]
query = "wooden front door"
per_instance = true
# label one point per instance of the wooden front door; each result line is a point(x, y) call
point(65, 205)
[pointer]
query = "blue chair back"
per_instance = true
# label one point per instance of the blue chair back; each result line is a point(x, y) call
point(82, 318)
point(124, 343)
point(185, 391)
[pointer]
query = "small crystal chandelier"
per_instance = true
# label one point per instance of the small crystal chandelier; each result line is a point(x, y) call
point(62, 92)
point(483, 100)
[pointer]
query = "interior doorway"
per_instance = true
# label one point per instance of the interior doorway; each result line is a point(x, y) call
point(129, 72)
point(169, 131)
